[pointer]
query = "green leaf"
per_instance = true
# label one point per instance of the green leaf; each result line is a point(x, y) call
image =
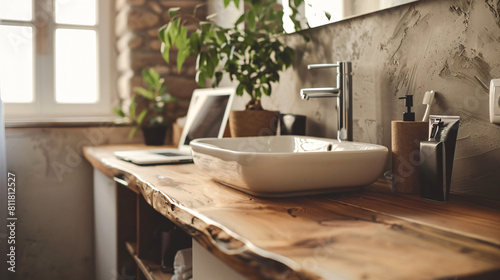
point(289, 55)
point(182, 41)
point(173, 31)
point(165, 52)
point(141, 116)
point(132, 109)
point(221, 37)
point(218, 77)
point(168, 98)
point(144, 92)
point(162, 90)
point(151, 77)
point(200, 78)
point(271, 16)
point(212, 64)
point(328, 15)
point(297, 2)
point(182, 55)
point(161, 32)
point(256, 4)
point(173, 11)
point(249, 89)
point(236, 3)
point(257, 93)
point(239, 90)
point(195, 42)
point(201, 60)
point(205, 28)
point(169, 38)
point(183, 46)
point(210, 68)
point(267, 89)
point(119, 112)
point(132, 132)
point(251, 20)
point(240, 19)
point(226, 2)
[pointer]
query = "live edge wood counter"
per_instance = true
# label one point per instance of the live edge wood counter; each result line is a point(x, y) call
point(372, 234)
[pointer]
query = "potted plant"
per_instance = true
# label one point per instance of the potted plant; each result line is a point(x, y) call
point(151, 102)
point(252, 56)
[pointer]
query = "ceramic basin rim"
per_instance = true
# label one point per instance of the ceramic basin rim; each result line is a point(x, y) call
point(202, 144)
point(295, 166)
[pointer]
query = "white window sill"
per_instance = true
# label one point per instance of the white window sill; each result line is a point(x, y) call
point(61, 122)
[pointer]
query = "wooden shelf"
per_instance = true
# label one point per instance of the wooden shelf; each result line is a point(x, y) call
point(150, 269)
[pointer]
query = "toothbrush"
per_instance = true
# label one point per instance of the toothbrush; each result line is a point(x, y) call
point(428, 99)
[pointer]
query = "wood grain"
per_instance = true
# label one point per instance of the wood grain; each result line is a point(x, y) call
point(370, 234)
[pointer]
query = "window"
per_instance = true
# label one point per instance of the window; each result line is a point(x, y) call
point(318, 12)
point(55, 58)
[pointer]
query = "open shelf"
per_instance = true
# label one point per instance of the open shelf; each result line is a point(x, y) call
point(140, 238)
point(150, 269)
point(133, 240)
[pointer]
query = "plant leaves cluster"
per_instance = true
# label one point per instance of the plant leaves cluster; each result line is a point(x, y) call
point(154, 98)
point(250, 52)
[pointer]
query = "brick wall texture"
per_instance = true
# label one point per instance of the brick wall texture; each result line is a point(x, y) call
point(138, 45)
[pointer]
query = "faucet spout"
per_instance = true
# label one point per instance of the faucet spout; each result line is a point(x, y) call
point(343, 93)
point(307, 93)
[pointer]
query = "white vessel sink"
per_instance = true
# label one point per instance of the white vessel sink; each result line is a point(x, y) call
point(277, 166)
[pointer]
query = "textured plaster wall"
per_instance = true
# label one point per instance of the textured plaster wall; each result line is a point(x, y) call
point(452, 47)
point(54, 203)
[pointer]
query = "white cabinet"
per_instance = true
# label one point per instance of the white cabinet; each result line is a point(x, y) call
point(105, 221)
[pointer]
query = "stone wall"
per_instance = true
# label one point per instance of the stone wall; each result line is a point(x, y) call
point(137, 25)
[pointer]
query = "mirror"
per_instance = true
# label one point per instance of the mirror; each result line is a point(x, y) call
point(313, 13)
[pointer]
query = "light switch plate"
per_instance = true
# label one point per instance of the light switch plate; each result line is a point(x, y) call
point(495, 101)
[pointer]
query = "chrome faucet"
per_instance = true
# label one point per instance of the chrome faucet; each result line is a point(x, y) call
point(343, 92)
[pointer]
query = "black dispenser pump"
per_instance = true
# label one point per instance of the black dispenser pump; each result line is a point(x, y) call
point(408, 116)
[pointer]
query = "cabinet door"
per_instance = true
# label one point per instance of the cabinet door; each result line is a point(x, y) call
point(105, 227)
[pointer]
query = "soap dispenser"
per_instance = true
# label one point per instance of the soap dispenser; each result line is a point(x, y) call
point(405, 141)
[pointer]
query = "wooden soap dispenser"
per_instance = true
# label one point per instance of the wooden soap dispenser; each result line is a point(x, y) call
point(405, 141)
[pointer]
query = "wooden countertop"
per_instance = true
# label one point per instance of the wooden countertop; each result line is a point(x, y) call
point(372, 234)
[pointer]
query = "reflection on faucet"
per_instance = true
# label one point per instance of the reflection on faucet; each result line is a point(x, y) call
point(343, 93)
point(307, 93)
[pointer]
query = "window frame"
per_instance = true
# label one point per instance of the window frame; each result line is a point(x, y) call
point(44, 28)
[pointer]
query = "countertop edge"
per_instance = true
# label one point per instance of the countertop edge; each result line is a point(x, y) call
point(232, 249)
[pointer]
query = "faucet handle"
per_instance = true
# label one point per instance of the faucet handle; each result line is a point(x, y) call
point(323, 65)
